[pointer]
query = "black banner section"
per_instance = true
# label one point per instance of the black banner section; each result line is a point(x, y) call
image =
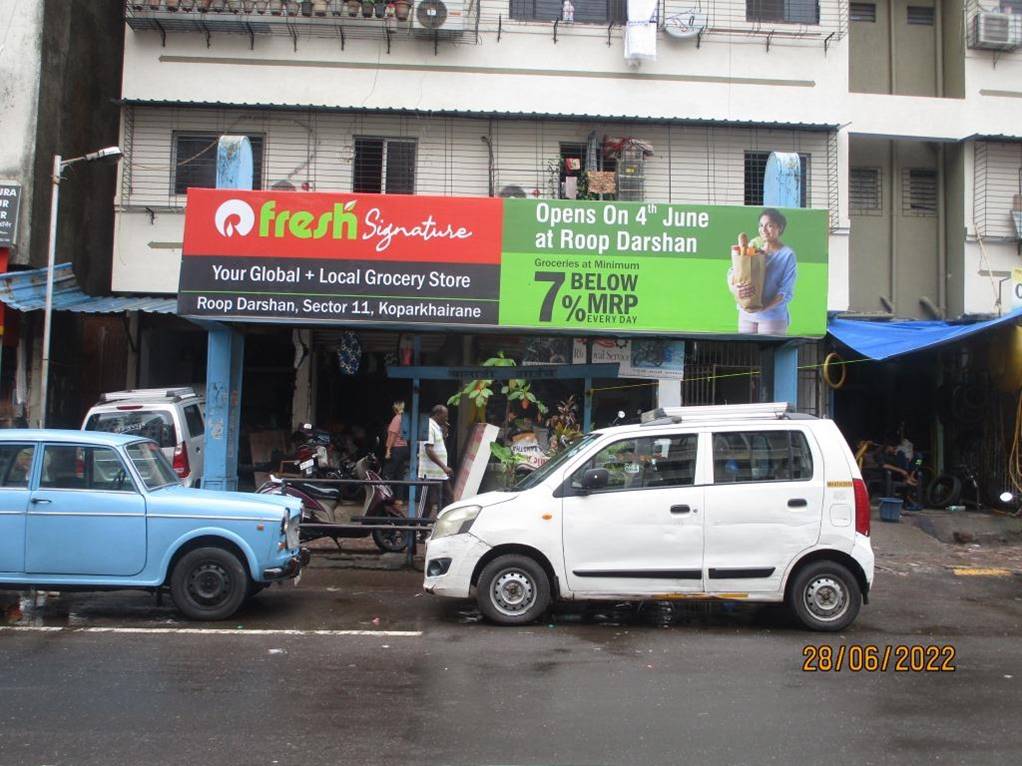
point(368, 291)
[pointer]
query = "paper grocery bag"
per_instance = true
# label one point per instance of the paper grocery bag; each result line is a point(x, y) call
point(749, 265)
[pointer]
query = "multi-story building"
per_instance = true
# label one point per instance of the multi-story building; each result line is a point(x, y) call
point(59, 91)
point(904, 115)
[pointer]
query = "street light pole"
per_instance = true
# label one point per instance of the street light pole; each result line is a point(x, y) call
point(51, 256)
point(111, 152)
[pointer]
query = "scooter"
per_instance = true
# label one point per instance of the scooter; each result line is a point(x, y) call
point(325, 504)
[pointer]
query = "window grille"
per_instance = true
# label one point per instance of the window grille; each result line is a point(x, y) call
point(586, 11)
point(194, 161)
point(863, 12)
point(919, 192)
point(920, 15)
point(783, 11)
point(384, 166)
point(865, 196)
point(755, 171)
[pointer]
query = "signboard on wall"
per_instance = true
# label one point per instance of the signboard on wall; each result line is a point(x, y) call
point(10, 202)
point(603, 267)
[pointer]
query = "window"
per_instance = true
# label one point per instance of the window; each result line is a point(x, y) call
point(920, 15)
point(744, 456)
point(864, 12)
point(646, 462)
point(15, 465)
point(783, 11)
point(384, 166)
point(194, 161)
point(151, 465)
point(88, 468)
point(919, 192)
point(586, 11)
point(194, 420)
point(157, 425)
point(755, 171)
point(864, 191)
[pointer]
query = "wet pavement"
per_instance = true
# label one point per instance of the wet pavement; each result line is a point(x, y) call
point(398, 677)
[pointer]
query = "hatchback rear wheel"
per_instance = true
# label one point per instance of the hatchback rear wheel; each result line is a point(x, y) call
point(208, 584)
point(825, 596)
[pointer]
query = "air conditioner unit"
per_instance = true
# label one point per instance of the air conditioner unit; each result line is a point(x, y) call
point(996, 31)
point(444, 17)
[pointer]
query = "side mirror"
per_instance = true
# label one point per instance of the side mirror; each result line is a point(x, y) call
point(595, 478)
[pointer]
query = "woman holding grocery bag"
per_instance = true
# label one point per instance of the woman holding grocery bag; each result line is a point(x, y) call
point(762, 277)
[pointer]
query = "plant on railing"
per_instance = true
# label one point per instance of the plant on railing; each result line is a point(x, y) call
point(518, 391)
point(563, 425)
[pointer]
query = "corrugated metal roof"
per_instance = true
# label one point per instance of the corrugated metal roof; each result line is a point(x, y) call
point(482, 114)
point(993, 137)
point(26, 291)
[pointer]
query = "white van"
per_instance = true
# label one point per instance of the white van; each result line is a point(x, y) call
point(174, 418)
point(743, 502)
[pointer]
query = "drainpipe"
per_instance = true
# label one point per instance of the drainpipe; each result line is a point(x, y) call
point(938, 31)
point(941, 235)
point(890, 46)
point(893, 227)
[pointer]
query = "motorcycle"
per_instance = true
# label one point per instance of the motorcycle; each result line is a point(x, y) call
point(325, 504)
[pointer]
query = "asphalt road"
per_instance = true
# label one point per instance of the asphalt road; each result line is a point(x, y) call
point(397, 677)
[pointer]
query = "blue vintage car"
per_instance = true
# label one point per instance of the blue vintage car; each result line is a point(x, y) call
point(92, 510)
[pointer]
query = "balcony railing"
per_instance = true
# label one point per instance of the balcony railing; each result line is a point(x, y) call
point(769, 22)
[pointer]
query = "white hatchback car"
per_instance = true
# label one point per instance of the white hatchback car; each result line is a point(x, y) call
point(744, 502)
point(174, 418)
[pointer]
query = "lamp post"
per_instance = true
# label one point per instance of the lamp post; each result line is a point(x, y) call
point(110, 152)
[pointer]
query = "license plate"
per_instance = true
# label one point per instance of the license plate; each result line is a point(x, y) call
point(307, 464)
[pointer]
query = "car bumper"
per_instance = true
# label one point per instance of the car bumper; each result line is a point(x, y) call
point(456, 556)
point(290, 568)
point(862, 552)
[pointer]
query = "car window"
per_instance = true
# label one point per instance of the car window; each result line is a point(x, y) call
point(645, 462)
point(15, 464)
point(157, 425)
point(151, 465)
point(68, 466)
point(193, 417)
point(744, 456)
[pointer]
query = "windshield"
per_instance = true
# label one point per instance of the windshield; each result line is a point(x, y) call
point(157, 425)
point(152, 465)
point(539, 475)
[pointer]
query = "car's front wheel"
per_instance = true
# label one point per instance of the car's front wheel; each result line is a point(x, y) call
point(209, 584)
point(825, 596)
point(513, 590)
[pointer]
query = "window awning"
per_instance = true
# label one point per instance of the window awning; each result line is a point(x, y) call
point(26, 291)
point(885, 340)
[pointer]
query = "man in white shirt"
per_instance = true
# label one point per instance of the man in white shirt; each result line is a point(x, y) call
point(433, 459)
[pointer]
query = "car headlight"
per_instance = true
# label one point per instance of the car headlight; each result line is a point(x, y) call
point(456, 521)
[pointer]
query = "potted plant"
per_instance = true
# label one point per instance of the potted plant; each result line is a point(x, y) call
point(402, 9)
point(353, 6)
point(380, 6)
point(563, 425)
point(367, 9)
point(508, 460)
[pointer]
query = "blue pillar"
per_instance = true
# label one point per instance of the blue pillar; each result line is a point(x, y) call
point(786, 374)
point(225, 348)
point(224, 364)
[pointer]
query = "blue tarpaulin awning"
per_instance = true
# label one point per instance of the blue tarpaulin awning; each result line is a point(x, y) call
point(885, 340)
point(26, 291)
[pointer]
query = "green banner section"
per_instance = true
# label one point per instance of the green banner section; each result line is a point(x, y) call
point(625, 267)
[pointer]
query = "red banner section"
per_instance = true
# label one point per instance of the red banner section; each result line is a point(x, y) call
point(363, 227)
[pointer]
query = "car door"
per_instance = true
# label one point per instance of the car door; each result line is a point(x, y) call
point(15, 472)
point(643, 533)
point(764, 507)
point(86, 515)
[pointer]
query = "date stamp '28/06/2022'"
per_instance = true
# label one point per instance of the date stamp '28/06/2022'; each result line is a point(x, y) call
point(876, 658)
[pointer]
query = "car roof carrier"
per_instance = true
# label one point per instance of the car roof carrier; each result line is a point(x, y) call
point(718, 413)
point(175, 394)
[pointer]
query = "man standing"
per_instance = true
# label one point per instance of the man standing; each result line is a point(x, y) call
point(433, 460)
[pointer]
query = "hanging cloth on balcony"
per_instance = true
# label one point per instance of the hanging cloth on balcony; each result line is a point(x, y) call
point(640, 34)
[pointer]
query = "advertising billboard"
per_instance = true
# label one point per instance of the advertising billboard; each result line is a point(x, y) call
point(563, 265)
